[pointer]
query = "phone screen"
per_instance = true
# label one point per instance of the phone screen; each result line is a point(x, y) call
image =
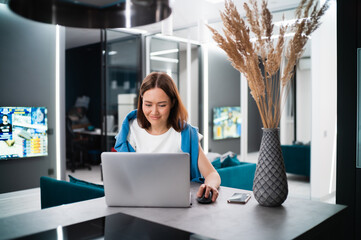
point(239, 198)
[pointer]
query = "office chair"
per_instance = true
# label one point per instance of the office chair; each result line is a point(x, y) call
point(76, 149)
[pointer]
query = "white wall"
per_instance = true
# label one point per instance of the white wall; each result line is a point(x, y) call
point(304, 102)
point(194, 88)
point(286, 123)
point(324, 80)
point(27, 76)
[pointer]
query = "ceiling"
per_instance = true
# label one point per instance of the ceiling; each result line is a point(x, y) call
point(185, 15)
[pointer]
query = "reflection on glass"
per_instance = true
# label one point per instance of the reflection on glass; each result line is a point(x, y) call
point(164, 57)
point(123, 74)
point(116, 226)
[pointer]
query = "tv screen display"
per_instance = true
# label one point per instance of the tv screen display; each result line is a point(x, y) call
point(23, 132)
point(226, 122)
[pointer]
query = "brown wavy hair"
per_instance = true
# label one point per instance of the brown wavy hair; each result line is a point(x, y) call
point(178, 113)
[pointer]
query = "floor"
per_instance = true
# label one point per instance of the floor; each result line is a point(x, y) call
point(92, 175)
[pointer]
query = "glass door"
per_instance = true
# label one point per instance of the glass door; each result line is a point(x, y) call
point(122, 74)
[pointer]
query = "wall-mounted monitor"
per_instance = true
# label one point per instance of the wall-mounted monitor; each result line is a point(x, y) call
point(226, 122)
point(23, 132)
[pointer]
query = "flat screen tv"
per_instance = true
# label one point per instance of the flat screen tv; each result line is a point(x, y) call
point(23, 132)
point(226, 122)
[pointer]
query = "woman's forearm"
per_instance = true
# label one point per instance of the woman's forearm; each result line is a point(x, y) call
point(213, 180)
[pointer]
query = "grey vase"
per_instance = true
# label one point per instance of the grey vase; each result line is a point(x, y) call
point(270, 186)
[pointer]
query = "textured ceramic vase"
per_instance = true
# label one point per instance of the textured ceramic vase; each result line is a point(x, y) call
point(270, 186)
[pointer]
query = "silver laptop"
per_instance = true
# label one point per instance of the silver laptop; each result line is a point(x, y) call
point(146, 179)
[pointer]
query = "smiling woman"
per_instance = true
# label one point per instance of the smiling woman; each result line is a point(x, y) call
point(160, 126)
point(160, 88)
point(156, 109)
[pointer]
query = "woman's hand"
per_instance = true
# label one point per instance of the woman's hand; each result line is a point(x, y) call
point(212, 179)
point(206, 188)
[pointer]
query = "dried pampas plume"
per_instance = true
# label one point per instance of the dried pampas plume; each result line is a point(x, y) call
point(247, 55)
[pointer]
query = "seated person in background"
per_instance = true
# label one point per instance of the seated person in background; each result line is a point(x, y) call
point(78, 117)
point(77, 114)
point(160, 125)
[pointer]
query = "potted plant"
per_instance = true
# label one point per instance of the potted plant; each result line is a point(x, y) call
point(268, 62)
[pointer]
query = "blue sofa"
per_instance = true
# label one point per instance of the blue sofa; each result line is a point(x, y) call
point(297, 159)
point(234, 173)
point(240, 176)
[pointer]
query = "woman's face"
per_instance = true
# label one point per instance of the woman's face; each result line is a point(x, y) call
point(156, 107)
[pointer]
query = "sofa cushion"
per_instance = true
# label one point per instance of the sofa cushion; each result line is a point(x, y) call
point(217, 163)
point(84, 183)
point(230, 161)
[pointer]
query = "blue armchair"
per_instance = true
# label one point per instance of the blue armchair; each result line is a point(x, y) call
point(56, 192)
point(297, 159)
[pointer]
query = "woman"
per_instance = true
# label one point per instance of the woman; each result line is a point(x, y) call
point(160, 125)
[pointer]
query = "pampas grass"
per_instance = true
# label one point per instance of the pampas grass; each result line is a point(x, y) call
point(277, 56)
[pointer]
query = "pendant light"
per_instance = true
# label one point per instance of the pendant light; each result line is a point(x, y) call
point(93, 13)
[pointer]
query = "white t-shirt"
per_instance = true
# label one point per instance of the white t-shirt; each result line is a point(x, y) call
point(144, 142)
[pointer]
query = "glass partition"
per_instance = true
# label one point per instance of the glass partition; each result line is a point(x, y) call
point(179, 58)
point(122, 71)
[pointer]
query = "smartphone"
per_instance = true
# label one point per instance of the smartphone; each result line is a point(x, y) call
point(239, 198)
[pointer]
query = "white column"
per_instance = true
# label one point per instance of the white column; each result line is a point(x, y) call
point(147, 55)
point(189, 81)
point(203, 38)
point(324, 103)
point(205, 99)
point(244, 111)
point(60, 103)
